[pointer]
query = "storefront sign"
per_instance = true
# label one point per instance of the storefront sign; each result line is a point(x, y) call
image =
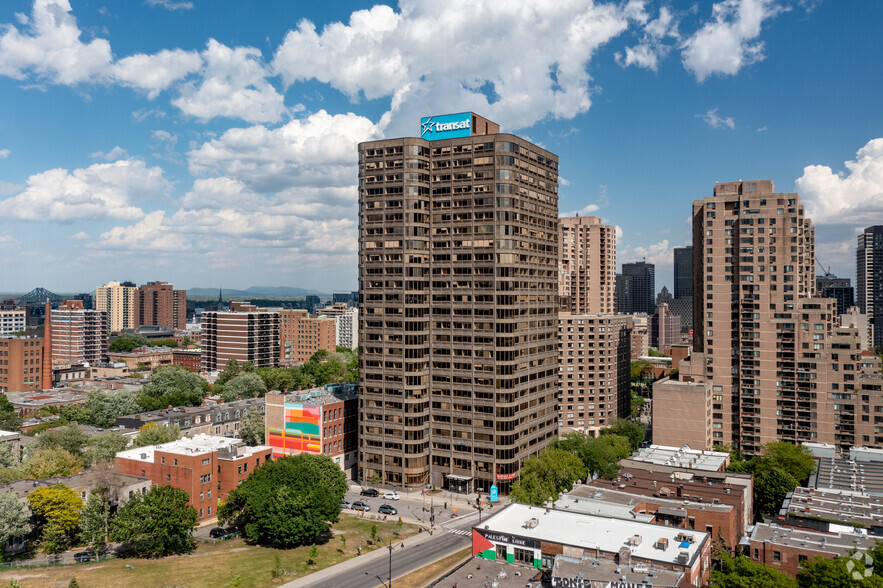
point(509, 539)
point(446, 126)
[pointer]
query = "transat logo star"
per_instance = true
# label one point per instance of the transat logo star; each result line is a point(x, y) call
point(428, 127)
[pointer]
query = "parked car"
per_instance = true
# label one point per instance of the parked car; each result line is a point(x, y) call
point(83, 557)
point(387, 509)
point(369, 492)
point(218, 533)
point(344, 504)
point(391, 496)
point(359, 505)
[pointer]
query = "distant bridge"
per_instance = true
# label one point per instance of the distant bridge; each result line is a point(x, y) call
point(38, 296)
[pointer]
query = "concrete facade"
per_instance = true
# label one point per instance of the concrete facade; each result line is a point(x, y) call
point(76, 335)
point(120, 302)
point(244, 333)
point(458, 294)
point(594, 377)
point(303, 334)
point(869, 279)
point(642, 287)
point(586, 265)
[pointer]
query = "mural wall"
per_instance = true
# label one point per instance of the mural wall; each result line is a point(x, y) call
point(301, 434)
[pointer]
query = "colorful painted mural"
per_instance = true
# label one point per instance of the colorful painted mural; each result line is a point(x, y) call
point(302, 432)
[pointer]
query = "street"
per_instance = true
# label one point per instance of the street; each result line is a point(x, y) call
point(376, 572)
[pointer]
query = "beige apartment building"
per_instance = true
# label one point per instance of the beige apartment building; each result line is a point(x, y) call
point(303, 334)
point(120, 302)
point(594, 375)
point(458, 305)
point(777, 366)
point(586, 265)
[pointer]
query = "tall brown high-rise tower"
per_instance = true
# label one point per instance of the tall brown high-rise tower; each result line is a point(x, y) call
point(586, 265)
point(160, 304)
point(458, 234)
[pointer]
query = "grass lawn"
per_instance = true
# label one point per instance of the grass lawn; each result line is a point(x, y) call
point(427, 574)
point(228, 564)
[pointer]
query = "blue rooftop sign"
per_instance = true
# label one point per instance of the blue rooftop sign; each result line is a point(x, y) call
point(446, 126)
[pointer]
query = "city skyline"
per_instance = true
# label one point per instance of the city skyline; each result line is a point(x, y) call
point(205, 144)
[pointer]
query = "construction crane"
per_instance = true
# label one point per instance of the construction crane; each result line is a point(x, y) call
point(827, 270)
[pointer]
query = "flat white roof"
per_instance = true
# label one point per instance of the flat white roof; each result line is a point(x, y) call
point(682, 457)
point(196, 445)
point(8, 433)
point(590, 532)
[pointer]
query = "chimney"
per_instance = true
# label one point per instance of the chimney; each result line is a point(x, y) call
point(46, 359)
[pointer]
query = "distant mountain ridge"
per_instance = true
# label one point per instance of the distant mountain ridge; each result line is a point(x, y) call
point(255, 292)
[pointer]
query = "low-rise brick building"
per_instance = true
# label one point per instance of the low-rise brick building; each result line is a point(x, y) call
point(189, 359)
point(21, 359)
point(152, 357)
point(206, 467)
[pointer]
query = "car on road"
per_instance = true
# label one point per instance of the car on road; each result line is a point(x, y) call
point(83, 557)
point(359, 505)
point(387, 509)
point(369, 492)
point(218, 533)
point(391, 496)
point(344, 504)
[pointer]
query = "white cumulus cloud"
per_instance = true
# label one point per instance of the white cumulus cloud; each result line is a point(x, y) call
point(115, 153)
point(854, 196)
point(728, 42)
point(429, 56)
point(658, 253)
point(49, 46)
point(4, 153)
point(104, 190)
point(652, 47)
point(171, 4)
point(233, 84)
point(155, 73)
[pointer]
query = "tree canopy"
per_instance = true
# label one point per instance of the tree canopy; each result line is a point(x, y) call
point(103, 406)
point(156, 524)
point(50, 462)
point(244, 385)
point(154, 434)
point(287, 502)
point(545, 476)
point(9, 419)
point(797, 460)
point(127, 342)
point(741, 572)
point(14, 518)
point(251, 429)
point(600, 455)
point(171, 385)
point(57, 510)
point(634, 431)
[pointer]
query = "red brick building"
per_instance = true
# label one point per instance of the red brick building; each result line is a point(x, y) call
point(205, 467)
point(160, 304)
point(303, 334)
point(189, 359)
point(21, 361)
point(244, 333)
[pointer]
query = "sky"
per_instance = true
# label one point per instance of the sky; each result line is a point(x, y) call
point(214, 142)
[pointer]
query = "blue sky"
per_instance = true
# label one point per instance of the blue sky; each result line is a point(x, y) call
point(212, 142)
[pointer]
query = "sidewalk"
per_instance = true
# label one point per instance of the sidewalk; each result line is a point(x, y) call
point(354, 563)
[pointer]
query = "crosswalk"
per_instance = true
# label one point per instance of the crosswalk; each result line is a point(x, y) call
point(463, 532)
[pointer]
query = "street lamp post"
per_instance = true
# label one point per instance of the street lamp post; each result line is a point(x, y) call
point(390, 547)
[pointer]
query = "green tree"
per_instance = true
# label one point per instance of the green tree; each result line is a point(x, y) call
point(245, 385)
point(8, 458)
point(153, 434)
point(127, 342)
point(276, 378)
point(57, 510)
point(832, 573)
point(73, 583)
point(287, 502)
point(231, 370)
point(741, 572)
point(797, 460)
point(103, 406)
point(171, 385)
point(252, 428)
point(770, 487)
point(51, 462)
point(95, 518)
point(103, 447)
point(738, 463)
point(14, 519)
point(634, 431)
point(545, 476)
point(9, 419)
point(69, 438)
point(640, 369)
point(156, 524)
point(600, 455)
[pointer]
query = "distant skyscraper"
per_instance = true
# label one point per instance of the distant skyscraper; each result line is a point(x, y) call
point(120, 302)
point(642, 287)
point(869, 278)
point(683, 272)
point(586, 265)
point(830, 286)
point(458, 289)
